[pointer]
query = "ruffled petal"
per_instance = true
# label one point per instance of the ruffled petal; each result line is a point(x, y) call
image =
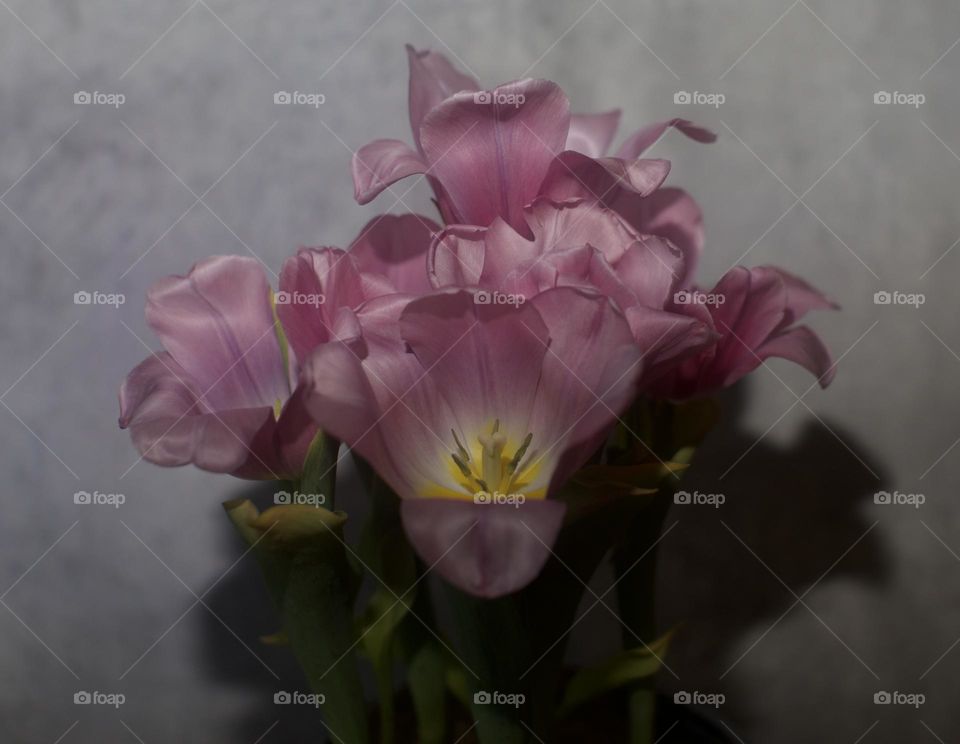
point(670, 213)
point(314, 284)
point(576, 176)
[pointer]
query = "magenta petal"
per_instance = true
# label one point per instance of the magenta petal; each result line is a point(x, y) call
point(641, 140)
point(433, 79)
point(380, 164)
point(170, 426)
point(395, 247)
point(491, 155)
point(314, 284)
point(666, 338)
point(592, 134)
point(485, 550)
point(672, 214)
point(218, 323)
point(576, 176)
point(804, 347)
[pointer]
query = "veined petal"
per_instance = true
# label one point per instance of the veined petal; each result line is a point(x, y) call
point(485, 359)
point(217, 323)
point(592, 134)
point(487, 550)
point(491, 151)
point(589, 375)
point(380, 164)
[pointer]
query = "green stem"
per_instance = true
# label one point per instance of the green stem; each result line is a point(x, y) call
point(635, 562)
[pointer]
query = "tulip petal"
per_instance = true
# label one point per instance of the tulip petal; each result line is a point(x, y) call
point(576, 176)
point(641, 140)
point(670, 213)
point(487, 550)
point(491, 155)
point(217, 323)
point(433, 79)
point(589, 375)
point(666, 338)
point(804, 347)
point(485, 358)
point(591, 134)
point(396, 246)
point(381, 163)
point(170, 425)
point(314, 284)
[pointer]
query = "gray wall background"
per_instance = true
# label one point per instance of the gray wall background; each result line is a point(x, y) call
point(800, 597)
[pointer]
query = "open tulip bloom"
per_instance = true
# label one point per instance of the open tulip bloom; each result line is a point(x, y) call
point(520, 385)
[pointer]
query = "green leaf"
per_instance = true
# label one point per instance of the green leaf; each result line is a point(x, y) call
point(619, 671)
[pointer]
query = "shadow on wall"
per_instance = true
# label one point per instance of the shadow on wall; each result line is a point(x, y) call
point(798, 507)
point(792, 510)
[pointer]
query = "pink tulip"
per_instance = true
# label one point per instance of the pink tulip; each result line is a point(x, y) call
point(219, 395)
point(753, 314)
point(456, 404)
point(222, 395)
point(489, 154)
point(583, 245)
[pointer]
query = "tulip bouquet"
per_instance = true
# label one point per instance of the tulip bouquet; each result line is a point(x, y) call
point(520, 386)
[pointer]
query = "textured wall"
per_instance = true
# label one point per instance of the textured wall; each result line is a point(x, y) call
point(801, 597)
